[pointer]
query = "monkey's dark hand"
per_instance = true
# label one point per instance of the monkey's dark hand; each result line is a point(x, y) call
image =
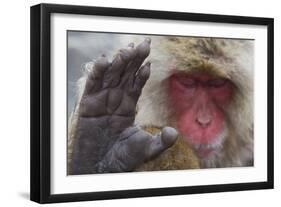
point(106, 138)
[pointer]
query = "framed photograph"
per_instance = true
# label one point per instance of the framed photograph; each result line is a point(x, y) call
point(133, 103)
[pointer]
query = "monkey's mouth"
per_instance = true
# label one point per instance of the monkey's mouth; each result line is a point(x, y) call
point(204, 151)
point(207, 150)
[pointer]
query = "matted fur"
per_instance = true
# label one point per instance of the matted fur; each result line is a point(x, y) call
point(228, 58)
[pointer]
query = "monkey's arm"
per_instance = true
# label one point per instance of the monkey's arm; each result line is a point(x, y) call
point(106, 139)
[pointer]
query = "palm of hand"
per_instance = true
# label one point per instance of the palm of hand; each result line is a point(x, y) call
point(108, 105)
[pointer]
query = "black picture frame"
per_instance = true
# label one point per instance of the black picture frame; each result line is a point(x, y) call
point(41, 102)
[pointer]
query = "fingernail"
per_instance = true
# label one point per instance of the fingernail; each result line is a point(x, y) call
point(148, 40)
point(131, 45)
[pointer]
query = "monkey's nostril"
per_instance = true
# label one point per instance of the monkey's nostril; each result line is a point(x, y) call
point(204, 121)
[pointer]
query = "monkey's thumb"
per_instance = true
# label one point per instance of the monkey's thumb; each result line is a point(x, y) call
point(161, 142)
point(168, 136)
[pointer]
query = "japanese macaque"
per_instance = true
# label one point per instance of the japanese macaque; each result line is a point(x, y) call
point(168, 103)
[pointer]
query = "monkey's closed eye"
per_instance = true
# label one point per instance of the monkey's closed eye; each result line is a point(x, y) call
point(217, 83)
point(187, 82)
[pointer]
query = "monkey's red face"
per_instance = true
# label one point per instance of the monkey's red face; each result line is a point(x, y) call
point(199, 101)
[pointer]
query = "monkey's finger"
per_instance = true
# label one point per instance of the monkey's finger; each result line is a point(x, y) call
point(142, 51)
point(119, 63)
point(141, 78)
point(134, 147)
point(129, 53)
point(95, 78)
point(161, 142)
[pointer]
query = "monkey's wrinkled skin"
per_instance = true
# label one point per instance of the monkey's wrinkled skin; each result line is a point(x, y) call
point(106, 139)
